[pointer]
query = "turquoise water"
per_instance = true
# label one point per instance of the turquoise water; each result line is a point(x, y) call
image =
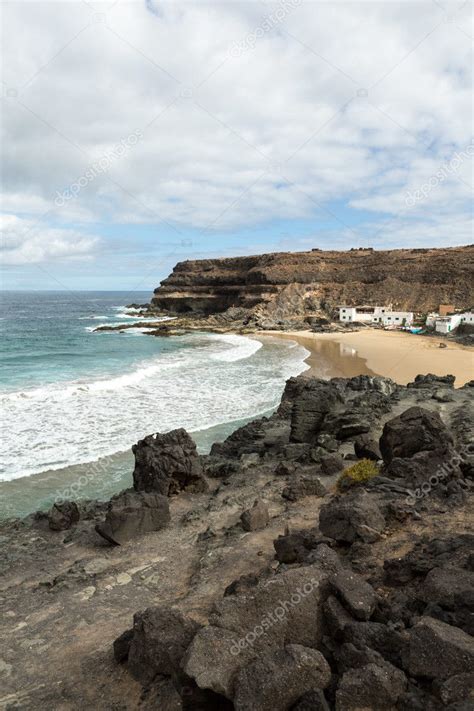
point(74, 401)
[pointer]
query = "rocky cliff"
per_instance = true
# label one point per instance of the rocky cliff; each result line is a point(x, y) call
point(315, 282)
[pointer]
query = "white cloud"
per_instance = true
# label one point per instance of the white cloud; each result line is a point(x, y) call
point(224, 134)
point(27, 242)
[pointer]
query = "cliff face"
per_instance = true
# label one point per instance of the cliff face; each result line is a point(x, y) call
point(410, 279)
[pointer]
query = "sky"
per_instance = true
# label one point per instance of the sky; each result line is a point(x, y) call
point(136, 134)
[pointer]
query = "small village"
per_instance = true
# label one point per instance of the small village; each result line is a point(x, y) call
point(447, 320)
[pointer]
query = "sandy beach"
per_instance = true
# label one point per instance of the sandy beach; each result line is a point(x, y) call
point(397, 355)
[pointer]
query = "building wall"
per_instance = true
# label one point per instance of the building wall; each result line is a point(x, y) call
point(396, 318)
point(448, 324)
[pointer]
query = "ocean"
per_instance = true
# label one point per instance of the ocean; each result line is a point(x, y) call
point(73, 401)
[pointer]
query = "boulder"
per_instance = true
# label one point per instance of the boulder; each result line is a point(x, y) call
point(450, 588)
point(133, 514)
point(310, 408)
point(415, 430)
point(358, 596)
point(438, 651)
point(351, 518)
point(295, 547)
point(367, 448)
point(63, 515)
point(301, 486)
point(374, 686)
point(336, 617)
point(331, 464)
point(256, 518)
point(285, 609)
point(167, 463)
point(389, 643)
point(160, 637)
point(432, 381)
point(276, 680)
point(458, 688)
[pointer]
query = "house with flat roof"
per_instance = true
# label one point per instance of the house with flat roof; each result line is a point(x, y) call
point(375, 314)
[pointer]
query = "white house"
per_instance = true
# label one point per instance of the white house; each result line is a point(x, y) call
point(449, 323)
point(375, 314)
point(397, 318)
point(364, 314)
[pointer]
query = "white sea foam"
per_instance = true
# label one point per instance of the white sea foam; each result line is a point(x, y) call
point(212, 380)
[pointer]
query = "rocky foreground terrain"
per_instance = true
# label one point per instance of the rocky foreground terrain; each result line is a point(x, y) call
point(318, 559)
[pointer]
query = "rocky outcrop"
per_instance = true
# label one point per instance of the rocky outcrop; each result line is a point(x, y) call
point(270, 289)
point(314, 598)
point(167, 464)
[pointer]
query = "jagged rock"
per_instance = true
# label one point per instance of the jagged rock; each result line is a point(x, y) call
point(332, 464)
point(63, 515)
point(351, 657)
point(325, 558)
point(458, 688)
point(357, 595)
point(374, 686)
point(267, 616)
point(132, 514)
point(313, 700)
point(285, 469)
point(336, 617)
point(415, 430)
point(301, 486)
point(167, 463)
point(255, 518)
point(310, 408)
point(348, 424)
point(276, 680)
point(438, 651)
point(449, 587)
point(347, 519)
point(452, 550)
point(122, 646)
point(367, 448)
point(389, 643)
point(295, 547)
point(160, 638)
point(430, 381)
point(327, 442)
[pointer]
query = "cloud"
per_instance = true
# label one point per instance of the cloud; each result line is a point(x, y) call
point(347, 102)
point(26, 242)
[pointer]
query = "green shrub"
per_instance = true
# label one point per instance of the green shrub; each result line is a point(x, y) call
point(361, 471)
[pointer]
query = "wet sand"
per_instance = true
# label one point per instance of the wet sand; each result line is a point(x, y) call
point(393, 354)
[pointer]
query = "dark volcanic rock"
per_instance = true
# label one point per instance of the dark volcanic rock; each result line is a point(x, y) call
point(357, 595)
point(167, 463)
point(63, 515)
point(313, 700)
point(331, 464)
point(438, 651)
point(350, 518)
point(301, 486)
point(367, 448)
point(132, 514)
point(389, 643)
point(255, 518)
point(432, 381)
point(415, 430)
point(267, 616)
point(374, 686)
point(160, 638)
point(458, 688)
point(276, 680)
point(310, 408)
point(295, 547)
point(450, 588)
point(122, 646)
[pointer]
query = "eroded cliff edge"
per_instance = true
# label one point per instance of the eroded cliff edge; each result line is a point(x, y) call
point(410, 279)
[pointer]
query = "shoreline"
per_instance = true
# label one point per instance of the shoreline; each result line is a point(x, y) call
point(391, 354)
